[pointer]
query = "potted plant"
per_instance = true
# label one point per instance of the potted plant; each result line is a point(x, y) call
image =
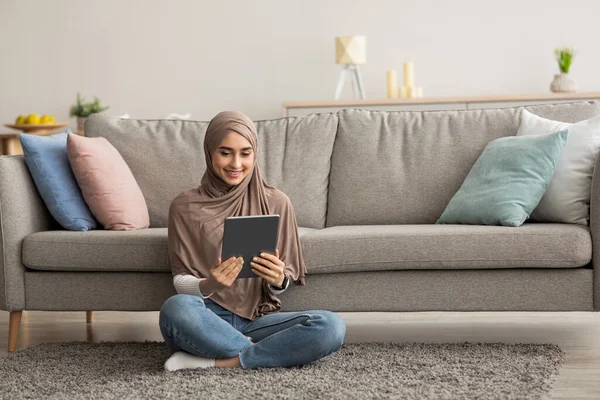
point(82, 110)
point(562, 82)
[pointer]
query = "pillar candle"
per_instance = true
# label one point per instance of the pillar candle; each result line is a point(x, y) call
point(419, 91)
point(403, 92)
point(409, 74)
point(392, 83)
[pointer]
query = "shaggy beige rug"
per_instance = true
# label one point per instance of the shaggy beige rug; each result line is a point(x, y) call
point(357, 371)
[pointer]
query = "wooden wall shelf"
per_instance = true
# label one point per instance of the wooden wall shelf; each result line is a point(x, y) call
point(463, 102)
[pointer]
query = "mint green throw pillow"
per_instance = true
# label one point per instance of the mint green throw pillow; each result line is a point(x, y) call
point(507, 181)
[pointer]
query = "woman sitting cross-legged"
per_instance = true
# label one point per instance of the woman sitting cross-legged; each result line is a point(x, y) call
point(216, 319)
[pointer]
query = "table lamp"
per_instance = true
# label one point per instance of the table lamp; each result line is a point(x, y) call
point(350, 51)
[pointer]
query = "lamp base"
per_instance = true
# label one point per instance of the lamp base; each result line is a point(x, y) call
point(357, 85)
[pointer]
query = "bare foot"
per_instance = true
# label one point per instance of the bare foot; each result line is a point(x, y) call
point(233, 362)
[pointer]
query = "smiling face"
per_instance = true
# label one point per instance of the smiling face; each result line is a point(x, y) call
point(233, 159)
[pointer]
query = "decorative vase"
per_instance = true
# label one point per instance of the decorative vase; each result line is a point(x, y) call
point(563, 83)
point(80, 123)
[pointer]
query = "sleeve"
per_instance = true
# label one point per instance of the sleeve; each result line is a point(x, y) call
point(276, 291)
point(181, 240)
point(188, 284)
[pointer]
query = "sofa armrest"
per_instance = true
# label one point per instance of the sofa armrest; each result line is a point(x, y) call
point(595, 231)
point(22, 212)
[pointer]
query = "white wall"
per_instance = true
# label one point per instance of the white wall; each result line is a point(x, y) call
point(149, 58)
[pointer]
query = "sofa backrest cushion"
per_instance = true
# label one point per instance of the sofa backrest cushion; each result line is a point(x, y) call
point(403, 167)
point(166, 157)
point(295, 157)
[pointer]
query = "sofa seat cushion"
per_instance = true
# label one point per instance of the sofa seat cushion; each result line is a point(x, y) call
point(143, 250)
point(398, 247)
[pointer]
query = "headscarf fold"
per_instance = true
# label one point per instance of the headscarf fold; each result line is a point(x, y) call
point(197, 217)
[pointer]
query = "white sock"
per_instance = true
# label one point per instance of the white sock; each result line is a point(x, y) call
point(182, 359)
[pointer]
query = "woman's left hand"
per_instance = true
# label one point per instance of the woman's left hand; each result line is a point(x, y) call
point(269, 267)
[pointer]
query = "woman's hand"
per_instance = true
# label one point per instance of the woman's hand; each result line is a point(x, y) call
point(223, 274)
point(269, 267)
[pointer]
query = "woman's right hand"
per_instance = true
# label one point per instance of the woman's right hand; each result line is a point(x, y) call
point(223, 274)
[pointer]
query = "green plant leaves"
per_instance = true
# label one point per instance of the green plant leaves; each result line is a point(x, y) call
point(82, 109)
point(564, 56)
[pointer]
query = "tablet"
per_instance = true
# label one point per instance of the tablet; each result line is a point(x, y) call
point(248, 236)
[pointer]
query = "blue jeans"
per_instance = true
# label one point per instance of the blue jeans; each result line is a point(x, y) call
point(282, 339)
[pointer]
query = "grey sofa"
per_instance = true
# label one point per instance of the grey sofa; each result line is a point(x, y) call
point(367, 188)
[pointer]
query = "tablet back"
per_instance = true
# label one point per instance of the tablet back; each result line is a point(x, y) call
point(247, 236)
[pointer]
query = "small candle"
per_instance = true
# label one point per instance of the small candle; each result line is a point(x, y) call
point(403, 93)
point(409, 74)
point(419, 91)
point(392, 83)
point(411, 92)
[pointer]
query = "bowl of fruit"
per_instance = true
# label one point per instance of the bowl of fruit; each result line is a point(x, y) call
point(33, 123)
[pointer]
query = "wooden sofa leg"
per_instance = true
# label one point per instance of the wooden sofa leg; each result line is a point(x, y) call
point(88, 316)
point(13, 329)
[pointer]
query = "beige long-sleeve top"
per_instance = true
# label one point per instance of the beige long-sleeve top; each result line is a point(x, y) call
point(189, 284)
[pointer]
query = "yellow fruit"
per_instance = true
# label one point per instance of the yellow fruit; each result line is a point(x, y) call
point(52, 119)
point(46, 119)
point(20, 120)
point(32, 119)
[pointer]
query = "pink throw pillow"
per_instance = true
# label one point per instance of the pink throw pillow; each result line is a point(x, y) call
point(107, 184)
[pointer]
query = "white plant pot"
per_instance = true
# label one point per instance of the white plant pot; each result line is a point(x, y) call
point(563, 83)
point(80, 123)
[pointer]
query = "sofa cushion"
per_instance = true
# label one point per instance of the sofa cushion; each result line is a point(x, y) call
point(395, 247)
point(336, 249)
point(567, 199)
point(166, 157)
point(48, 163)
point(403, 167)
point(143, 250)
point(107, 184)
point(507, 181)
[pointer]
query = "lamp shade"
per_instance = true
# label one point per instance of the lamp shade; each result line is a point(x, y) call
point(351, 50)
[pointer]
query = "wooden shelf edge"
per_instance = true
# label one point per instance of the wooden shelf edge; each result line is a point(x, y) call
point(442, 100)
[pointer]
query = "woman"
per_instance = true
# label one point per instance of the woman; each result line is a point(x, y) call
point(216, 320)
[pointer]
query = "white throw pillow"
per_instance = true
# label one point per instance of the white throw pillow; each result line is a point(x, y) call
point(567, 199)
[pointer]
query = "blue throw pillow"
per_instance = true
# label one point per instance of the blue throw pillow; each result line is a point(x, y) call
point(507, 182)
point(47, 161)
